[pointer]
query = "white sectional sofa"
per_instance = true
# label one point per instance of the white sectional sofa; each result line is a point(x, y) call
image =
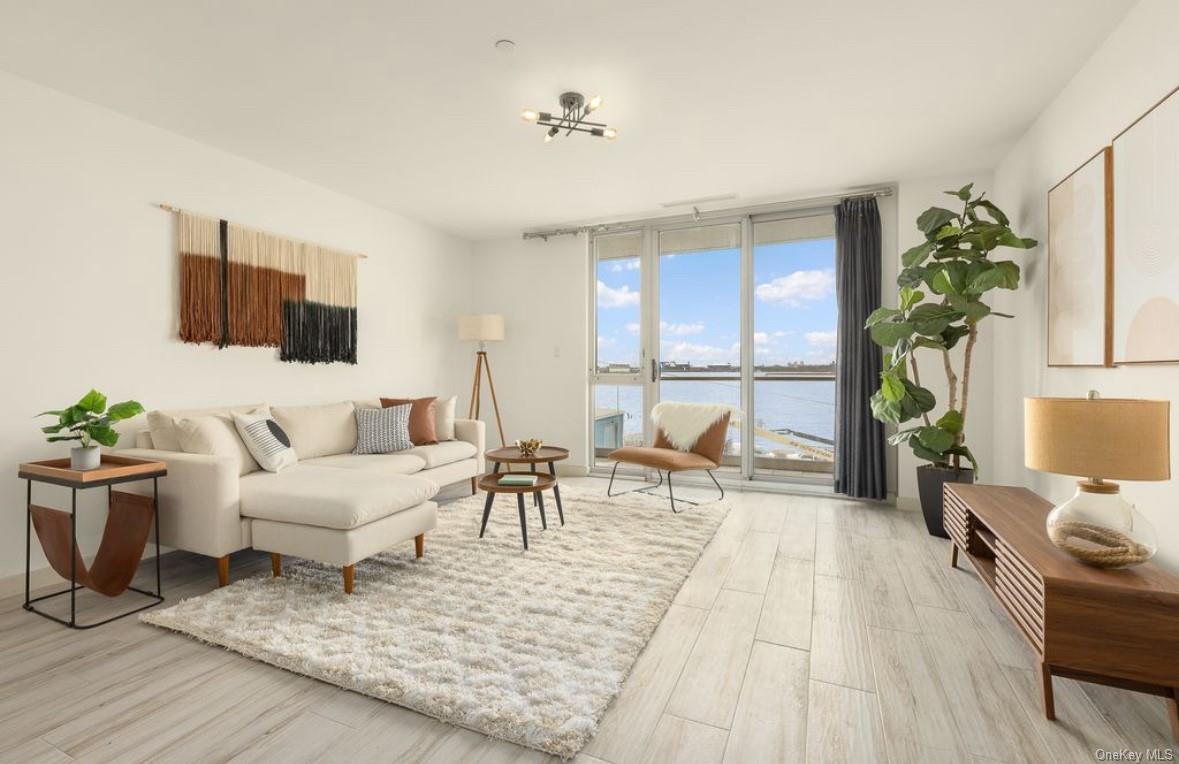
point(333, 506)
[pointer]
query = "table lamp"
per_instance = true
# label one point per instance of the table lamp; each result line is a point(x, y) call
point(482, 328)
point(1099, 438)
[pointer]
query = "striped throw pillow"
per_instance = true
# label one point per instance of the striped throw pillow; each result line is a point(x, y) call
point(382, 431)
point(267, 442)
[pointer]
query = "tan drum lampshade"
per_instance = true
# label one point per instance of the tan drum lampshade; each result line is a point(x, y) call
point(482, 327)
point(1115, 438)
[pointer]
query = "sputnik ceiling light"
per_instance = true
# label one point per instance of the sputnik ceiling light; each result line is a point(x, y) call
point(574, 110)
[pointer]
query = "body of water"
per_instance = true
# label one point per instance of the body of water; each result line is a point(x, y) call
point(803, 406)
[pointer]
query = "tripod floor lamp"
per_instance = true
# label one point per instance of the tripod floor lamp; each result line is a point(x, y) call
point(482, 328)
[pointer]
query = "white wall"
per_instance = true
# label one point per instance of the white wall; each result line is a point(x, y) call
point(914, 197)
point(540, 370)
point(1136, 66)
point(90, 282)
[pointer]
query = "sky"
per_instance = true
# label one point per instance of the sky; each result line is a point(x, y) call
point(699, 305)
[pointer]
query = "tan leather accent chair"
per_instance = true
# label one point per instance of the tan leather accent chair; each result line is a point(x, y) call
point(705, 454)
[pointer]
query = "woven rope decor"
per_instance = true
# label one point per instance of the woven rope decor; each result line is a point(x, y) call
point(244, 287)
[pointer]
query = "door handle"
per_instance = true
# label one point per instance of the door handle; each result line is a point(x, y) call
point(653, 372)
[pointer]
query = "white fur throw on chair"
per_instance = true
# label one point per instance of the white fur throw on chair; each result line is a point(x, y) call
point(684, 423)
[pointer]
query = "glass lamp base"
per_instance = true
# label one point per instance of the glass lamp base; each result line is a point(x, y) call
point(1100, 528)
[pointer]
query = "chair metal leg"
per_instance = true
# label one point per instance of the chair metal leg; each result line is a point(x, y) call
point(609, 488)
point(717, 484)
point(670, 492)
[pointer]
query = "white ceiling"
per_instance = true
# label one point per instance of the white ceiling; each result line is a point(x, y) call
point(408, 105)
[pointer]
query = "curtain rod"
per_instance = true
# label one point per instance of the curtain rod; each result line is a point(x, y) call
point(699, 215)
point(172, 208)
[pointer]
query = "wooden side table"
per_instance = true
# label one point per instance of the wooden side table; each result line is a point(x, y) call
point(544, 455)
point(130, 519)
point(490, 484)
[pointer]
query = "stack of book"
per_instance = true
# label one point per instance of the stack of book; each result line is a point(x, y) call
point(519, 480)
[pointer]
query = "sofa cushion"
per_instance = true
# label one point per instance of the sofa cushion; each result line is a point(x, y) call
point(215, 436)
point(162, 424)
point(403, 463)
point(443, 453)
point(330, 498)
point(318, 430)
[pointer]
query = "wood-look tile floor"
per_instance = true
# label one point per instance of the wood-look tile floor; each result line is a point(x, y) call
point(812, 629)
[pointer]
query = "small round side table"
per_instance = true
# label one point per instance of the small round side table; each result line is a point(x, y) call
point(544, 455)
point(490, 483)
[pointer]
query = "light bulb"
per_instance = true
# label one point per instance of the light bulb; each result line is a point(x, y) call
point(552, 133)
point(594, 103)
point(610, 133)
point(528, 115)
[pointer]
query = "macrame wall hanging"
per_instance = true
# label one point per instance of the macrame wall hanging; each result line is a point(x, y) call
point(244, 287)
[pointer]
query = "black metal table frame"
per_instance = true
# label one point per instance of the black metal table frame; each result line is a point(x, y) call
point(157, 596)
point(536, 498)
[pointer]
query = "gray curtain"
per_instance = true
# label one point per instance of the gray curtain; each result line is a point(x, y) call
point(859, 438)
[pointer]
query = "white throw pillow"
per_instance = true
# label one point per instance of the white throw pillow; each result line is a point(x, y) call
point(444, 417)
point(216, 436)
point(268, 443)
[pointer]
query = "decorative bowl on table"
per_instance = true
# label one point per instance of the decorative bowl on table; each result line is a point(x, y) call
point(529, 447)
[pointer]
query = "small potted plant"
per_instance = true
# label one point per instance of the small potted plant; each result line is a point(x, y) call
point(954, 264)
point(89, 421)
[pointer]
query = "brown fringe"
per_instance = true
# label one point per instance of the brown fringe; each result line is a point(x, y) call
point(200, 298)
point(256, 297)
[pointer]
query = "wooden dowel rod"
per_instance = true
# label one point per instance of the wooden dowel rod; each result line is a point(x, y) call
point(361, 255)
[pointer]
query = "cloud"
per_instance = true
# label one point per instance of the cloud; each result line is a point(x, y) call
point(681, 330)
point(761, 338)
point(606, 341)
point(821, 339)
point(628, 265)
point(798, 287)
point(691, 352)
point(633, 327)
point(622, 297)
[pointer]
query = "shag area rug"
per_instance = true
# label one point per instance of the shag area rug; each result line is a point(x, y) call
point(529, 647)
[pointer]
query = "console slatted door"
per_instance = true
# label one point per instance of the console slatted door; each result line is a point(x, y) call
point(956, 518)
point(1021, 591)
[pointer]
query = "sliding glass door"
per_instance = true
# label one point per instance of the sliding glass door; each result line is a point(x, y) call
point(739, 311)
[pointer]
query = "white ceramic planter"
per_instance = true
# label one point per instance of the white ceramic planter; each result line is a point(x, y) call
point(86, 458)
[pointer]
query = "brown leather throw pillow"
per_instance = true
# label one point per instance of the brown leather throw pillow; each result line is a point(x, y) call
point(421, 418)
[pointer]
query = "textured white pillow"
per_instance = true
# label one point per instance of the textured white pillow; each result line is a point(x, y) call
point(383, 431)
point(268, 443)
point(217, 436)
point(444, 417)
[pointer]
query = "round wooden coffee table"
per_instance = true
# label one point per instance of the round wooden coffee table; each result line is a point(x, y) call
point(544, 455)
point(490, 484)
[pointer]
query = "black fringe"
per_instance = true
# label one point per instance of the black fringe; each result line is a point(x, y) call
point(316, 333)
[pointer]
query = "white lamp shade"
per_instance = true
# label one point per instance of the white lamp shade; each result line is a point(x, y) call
point(482, 327)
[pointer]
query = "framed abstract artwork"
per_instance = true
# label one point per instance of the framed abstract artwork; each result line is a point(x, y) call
point(1146, 239)
point(1080, 252)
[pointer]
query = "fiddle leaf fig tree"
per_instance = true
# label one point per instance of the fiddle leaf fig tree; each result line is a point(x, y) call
point(941, 302)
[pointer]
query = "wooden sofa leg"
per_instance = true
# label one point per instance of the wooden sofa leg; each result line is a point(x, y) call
point(419, 545)
point(223, 570)
point(276, 564)
point(474, 483)
point(349, 577)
